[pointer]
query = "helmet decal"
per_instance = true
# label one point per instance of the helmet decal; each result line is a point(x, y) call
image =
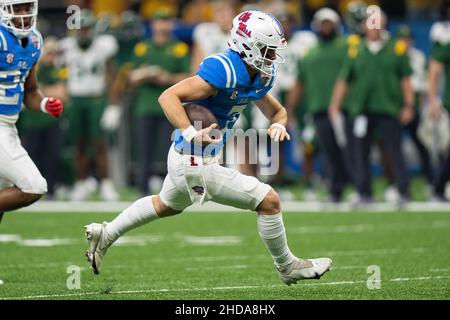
point(258, 37)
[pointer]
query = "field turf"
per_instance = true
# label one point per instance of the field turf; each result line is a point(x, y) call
point(220, 256)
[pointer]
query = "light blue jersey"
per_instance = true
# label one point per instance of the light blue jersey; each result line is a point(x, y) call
point(16, 63)
point(228, 74)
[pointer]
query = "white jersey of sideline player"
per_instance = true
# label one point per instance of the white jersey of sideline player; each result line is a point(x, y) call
point(211, 38)
point(87, 68)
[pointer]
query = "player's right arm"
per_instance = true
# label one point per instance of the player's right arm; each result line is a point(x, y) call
point(342, 85)
point(339, 93)
point(213, 75)
point(190, 89)
point(434, 74)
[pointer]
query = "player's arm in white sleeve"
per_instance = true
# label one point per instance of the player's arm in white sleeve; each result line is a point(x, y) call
point(278, 116)
point(190, 89)
point(34, 99)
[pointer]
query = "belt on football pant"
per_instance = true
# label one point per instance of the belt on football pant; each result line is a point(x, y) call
point(193, 153)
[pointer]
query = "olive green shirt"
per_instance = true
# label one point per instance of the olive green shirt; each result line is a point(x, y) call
point(441, 53)
point(318, 73)
point(172, 57)
point(375, 78)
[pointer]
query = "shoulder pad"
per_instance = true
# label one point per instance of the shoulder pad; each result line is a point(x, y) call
point(400, 47)
point(353, 40)
point(353, 52)
point(218, 71)
point(140, 49)
point(180, 49)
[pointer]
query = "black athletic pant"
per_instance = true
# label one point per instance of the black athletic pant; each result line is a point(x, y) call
point(43, 146)
point(421, 149)
point(153, 144)
point(337, 159)
point(391, 133)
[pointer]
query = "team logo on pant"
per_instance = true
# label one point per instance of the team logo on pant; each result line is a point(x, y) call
point(234, 95)
point(199, 190)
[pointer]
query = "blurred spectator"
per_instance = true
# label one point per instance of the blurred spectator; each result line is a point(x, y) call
point(88, 58)
point(299, 43)
point(378, 73)
point(159, 63)
point(42, 134)
point(420, 10)
point(148, 8)
point(419, 83)
point(110, 6)
point(318, 72)
point(128, 32)
point(197, 11)
point(440, 66)
point(355, 16)
point(212, 37)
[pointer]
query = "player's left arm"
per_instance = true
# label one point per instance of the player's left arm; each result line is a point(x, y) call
point(405, 72)
point(34, 98)
point(278, 116)
point(407, 112)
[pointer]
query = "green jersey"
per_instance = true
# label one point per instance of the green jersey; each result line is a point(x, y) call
point(318, 72)
point(172, 57)
point(375, 78)
point(47, 75)
point(441, 53)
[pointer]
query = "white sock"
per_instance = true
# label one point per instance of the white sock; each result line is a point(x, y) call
point(272, 232)
point(139, 213)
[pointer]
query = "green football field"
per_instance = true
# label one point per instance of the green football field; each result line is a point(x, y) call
point(220, 256)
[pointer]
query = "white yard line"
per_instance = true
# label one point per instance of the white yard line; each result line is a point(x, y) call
point(288, 206)
point(226, 288)
point(237, 266)
point(440, 270)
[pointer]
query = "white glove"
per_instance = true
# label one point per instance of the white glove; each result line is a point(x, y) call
point(111, 118)
point(278, 132)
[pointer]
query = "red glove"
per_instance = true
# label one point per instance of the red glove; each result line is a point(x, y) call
point(52, 106)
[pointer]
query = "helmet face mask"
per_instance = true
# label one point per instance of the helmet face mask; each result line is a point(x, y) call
point(19, 16)
point(269, 59)
point(258, 37)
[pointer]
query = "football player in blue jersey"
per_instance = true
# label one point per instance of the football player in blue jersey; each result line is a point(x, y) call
point(21, 183)
point(224, 84)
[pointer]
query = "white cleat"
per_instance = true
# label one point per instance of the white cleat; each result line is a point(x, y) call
point(98, 245)
point(304, 269)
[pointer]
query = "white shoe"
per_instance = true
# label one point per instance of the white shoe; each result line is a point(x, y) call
point(98, 245)
point(80, 192)
point(304, 269)
point(391, 194)
point(107, 191)
point(91, 184)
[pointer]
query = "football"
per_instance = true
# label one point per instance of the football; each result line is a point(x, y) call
point(200, 116)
